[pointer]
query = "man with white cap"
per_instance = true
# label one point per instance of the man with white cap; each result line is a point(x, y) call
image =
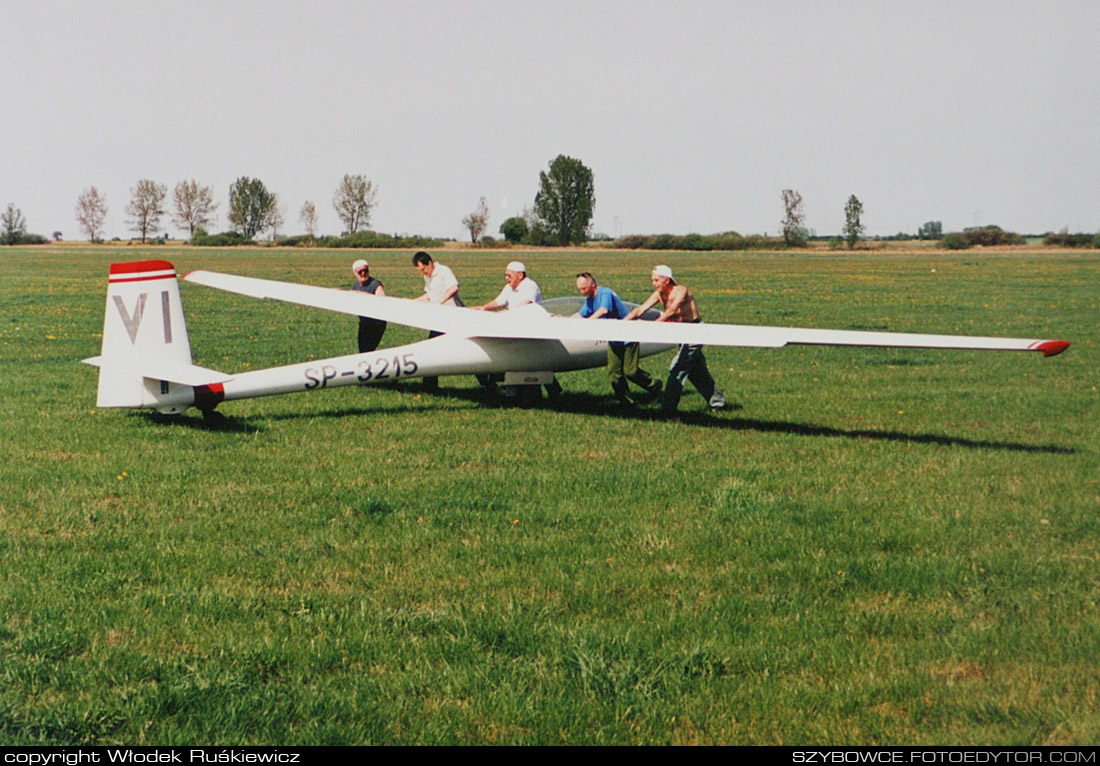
point(518, 290)
point(370, 329)
point(689, 362)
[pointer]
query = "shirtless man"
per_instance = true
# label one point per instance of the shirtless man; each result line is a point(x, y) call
point(689, 362)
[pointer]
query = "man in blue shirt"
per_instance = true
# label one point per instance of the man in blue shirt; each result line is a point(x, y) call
point(622, 358)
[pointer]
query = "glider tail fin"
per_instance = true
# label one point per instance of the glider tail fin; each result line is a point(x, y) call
point(145, 359)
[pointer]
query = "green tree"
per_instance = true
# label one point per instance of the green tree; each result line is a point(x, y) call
point(514, 229)
point(12, 226)
point(853, 228)
point(794, 233)
point(930, 230)
point(566, 200)
point(249, 206)
point(146, 206)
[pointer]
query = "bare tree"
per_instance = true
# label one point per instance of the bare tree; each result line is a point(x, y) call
point(477, 221)
point(353, 200)
point(12, 225)
point(794, 234)
point(308, 218)
point(194, 205)
point(91, 210)
point(146, 206)
point(275, 217)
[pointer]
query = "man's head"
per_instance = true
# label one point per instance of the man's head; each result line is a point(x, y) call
point(362, 271)
point(514, 273)
point(661, 277)
point(424, 263)
point(586, 284)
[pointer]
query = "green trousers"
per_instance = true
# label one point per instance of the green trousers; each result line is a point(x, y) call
point(622, 365)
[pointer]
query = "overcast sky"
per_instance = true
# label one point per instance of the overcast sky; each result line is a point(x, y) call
point(693, 116)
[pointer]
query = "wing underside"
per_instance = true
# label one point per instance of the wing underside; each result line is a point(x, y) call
point(531, 322)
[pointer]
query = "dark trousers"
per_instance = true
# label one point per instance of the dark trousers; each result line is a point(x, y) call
point(431, 382)
point(370, 333)
point(690, 364)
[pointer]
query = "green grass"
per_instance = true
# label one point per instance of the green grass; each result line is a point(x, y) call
point(882, 546)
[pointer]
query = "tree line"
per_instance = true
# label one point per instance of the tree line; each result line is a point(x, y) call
point(562, 213)
point(560, 216)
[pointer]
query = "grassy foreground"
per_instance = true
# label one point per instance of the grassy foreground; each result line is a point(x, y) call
point(881, 546)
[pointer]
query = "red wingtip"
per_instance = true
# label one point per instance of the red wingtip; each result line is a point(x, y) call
point(1052, 347)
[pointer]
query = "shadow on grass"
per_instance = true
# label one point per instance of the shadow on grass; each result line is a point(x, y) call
point(583, 403)
point(606, 406)
point(214, 421)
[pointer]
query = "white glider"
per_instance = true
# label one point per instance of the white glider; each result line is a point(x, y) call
point(146, 357)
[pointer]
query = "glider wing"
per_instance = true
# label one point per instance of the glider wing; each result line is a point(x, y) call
point(532, 322)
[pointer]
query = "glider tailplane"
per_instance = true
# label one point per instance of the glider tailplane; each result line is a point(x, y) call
point(145, 359)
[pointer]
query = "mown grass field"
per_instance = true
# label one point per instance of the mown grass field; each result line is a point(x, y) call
point(880, 546)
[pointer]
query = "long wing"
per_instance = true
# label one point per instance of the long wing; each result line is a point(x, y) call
point(532, 322)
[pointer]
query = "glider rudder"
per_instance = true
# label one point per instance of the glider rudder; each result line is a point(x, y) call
point(145, 359)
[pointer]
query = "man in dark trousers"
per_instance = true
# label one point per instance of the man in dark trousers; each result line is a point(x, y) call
point(370, 330)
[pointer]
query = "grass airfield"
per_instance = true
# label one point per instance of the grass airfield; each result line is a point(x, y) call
point(881, 546)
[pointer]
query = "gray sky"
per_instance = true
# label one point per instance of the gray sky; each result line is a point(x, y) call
point(693, 116)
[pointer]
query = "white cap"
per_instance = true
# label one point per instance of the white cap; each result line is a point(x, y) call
point(663, 271)
point(360, 264)
point(516, 266)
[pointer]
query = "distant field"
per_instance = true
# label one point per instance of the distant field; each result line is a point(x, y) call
point(882, 546)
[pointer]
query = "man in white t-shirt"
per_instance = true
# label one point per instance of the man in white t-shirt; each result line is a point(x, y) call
point(440, 286)
point(518, 290)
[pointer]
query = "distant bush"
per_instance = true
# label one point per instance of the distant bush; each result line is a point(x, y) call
point(760, 242)
point(981, 236)
point(955, 241)
point(301, 240)
point(729, 240)
point(226, 239)
point(1065, 239)
point(19, 238)
point(989, 236)
point(372, 239)
point(630, 242)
